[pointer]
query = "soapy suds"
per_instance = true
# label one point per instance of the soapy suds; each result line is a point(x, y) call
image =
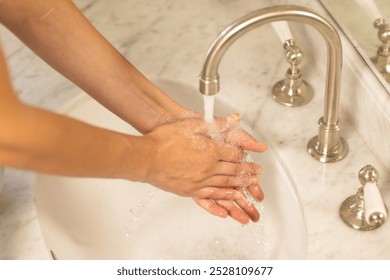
point(245, 191)
point(215, 134)
point(249, 242)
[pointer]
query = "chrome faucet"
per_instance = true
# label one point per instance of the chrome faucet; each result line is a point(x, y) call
point(382, 59)
point(328, 146)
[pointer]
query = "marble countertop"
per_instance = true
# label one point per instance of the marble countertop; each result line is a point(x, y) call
point(144, 31)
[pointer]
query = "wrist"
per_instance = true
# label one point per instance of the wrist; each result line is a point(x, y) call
point(137, 158)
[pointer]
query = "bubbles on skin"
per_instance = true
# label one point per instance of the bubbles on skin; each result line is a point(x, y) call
point(222, 132)
point(215, 132)
point(238, 133)
point(246, 178)
point(195, 138)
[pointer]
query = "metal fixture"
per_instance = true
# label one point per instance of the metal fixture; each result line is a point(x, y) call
point(365, 210)
point(293, 90)
point(382, 60)
point(328, 146)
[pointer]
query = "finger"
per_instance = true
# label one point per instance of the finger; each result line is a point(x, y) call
point(211, 207)
point(234, 211)
point(228, 122)
point(249, 208)
point(218, 193)
point(221, 124)
point(256, 192)
point(242, 139)
point(229, 153)
point(235, 169)
point(232, 181)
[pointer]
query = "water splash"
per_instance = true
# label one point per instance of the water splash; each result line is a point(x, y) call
point(137, 211)
point(249, 198)
point(208, 108)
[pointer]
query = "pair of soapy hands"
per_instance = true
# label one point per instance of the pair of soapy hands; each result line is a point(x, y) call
point(207, 162)
point(183, 157)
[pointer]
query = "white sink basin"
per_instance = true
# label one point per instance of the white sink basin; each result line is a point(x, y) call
point(117, 219)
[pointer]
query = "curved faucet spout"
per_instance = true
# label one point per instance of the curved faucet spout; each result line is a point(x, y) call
point(328, 146)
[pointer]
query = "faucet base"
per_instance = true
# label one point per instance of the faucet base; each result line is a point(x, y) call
point(353, 216)
point(325, 155)
point(352, 213)
point(382, 63)
point(292, 94)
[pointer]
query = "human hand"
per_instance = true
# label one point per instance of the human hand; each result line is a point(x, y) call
point(185, 160)
point(239, 209)
point(237, 136)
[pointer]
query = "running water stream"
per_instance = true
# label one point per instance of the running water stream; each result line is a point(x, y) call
point(208, 108)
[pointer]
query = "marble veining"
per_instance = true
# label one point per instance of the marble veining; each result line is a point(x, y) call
point(143, 30)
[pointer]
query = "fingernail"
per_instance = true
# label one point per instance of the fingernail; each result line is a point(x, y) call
point(256, 189)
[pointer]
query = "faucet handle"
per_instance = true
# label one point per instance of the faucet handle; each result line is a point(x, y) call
point(365, 210)
point(293, 90)
point(383, 30)
point(294, 54)
point(382, 59)
point(375, 210)
point(368, 174)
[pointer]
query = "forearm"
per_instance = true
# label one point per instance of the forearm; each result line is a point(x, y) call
point(42, 141)
point(58, 32)
point(39, 140)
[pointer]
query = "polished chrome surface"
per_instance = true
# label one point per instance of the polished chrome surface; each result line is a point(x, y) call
point(328, 145)
point(355, 19)
point(352, 210)
point(382, 60)
point(293, 90)
point(368, 174)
